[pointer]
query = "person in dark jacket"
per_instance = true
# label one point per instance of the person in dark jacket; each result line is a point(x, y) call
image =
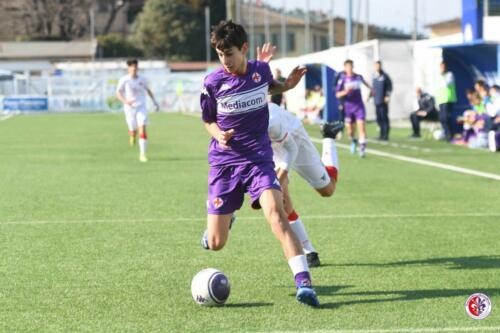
point(340, 101)
point(426, 111)
point(278, 98)
point(382, 88)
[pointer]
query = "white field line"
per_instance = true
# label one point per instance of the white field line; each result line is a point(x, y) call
point(250, 218)
point(8, 116)
point(405, 330)
point(414, 160)
point(420, 161)
point(408, 147)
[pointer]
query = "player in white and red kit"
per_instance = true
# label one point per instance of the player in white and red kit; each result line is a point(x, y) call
point(131, 91)
point(293, 149)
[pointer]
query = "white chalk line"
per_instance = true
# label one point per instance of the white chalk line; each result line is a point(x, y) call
point(8, 116)
point(250, 218)
point(414, 160)
point(409, 147)
point(421, 161)
point(404, 330)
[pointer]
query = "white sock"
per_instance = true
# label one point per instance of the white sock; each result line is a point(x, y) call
point(329, 155)
point(298, 264)
point(300, 231)
point(142, 145)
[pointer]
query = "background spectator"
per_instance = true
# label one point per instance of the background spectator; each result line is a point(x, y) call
point(426, 111)
point(315, 102)
point(446, 97)
point(382, 88)
point(278, 98)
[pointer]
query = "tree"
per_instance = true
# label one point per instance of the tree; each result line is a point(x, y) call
point(114, 7)
point(64, 19)
point(175, 28)
point(116, 45)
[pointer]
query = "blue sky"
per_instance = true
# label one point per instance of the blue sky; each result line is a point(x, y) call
point(390, 13)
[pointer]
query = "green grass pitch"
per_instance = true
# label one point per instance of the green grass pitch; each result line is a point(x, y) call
point(91, 240)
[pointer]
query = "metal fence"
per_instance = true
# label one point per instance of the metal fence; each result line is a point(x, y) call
point(174, 92)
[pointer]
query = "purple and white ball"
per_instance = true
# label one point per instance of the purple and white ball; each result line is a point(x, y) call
point(210, 287)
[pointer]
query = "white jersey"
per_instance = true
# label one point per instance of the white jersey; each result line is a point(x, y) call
point(134, 90)
point(292, 147)
point(281, 122)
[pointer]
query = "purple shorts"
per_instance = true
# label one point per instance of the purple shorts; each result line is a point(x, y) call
point(354, 113)
point(228, 184)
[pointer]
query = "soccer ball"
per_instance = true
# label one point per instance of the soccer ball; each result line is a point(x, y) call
point(210, 287)
point(438, 134)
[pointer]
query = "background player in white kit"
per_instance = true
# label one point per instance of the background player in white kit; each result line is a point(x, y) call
point(131, 91)
point(293, 149)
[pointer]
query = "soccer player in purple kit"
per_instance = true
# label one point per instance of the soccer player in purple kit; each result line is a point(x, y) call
point(349, 89)
point(235, 113)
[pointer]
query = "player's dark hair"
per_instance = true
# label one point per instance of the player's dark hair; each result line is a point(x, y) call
point(227, 34)
point(469, 91)
point(349, 61)
point(131, 62)
point(481, 83)
point(496, 87)
point(379, 62)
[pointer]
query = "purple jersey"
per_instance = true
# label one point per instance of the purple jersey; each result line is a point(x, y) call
point(353, 100)
point(239, 102)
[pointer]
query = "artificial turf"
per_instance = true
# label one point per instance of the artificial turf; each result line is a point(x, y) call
point(92, 240)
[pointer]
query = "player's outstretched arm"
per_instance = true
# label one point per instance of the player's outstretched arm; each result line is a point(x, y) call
point(372, 93)
point(265, 53)
point(150, 93)
point(291, 81)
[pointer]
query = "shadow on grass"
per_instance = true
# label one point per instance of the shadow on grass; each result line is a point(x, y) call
point(476, 262)
point(400, 295)
point(327, 290)
point(247, 305)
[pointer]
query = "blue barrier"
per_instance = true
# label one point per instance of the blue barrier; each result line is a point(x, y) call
point(25, 104)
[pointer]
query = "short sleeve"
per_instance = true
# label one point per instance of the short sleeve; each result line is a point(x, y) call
point(450, 79)
point(266, 72)
point(276, 131)
point(121, 86)
point(208, 104)
point(145, 82)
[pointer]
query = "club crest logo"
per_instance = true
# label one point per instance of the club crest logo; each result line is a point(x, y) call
point(256, 77)
point(217, 202)
point(478, 306)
